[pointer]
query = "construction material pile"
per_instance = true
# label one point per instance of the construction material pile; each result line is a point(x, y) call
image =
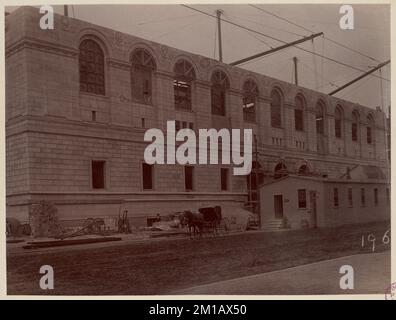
point(44, 220)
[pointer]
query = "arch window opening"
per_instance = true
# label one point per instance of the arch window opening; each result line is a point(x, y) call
point(91, 67)
point(299, 113)
point(250, 94)
point(276, 109)
point(143, 65)
point(220, 85)
point(184, 76)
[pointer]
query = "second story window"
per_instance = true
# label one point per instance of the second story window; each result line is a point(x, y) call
point(370, 128)
point(91, 67)
point(276, 109)
point(143, 65)
point(338, 118)
point(250, 94)
point(299, 113)
point(184, 76)
point(355, 126)
point(220, 85)
point(319, 117)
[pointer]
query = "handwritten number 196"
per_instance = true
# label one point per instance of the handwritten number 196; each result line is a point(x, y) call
point(371, 239)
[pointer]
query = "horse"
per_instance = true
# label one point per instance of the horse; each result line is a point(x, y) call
point(194, 221)
point(212, 215)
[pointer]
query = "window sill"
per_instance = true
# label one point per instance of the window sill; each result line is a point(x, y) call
point(218, 115)
point(183, 109)
point(142, 103)
point(95, 95)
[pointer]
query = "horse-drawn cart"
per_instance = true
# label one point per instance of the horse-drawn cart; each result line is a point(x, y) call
point(206, 219)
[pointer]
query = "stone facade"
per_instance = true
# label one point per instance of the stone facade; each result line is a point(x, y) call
point(52, 140)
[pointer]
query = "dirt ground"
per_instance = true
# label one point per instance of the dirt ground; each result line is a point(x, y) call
point(162, 267)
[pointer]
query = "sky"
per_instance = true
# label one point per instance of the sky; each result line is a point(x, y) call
point(186, 29)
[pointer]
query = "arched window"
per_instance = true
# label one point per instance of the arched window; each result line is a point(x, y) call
point(184, 76)
point(280, 170)
point(303, 170)
point(220, 85)
point(143, 65)
point(299, 113)
point(91, 66)
point(250, 94)
point(338, 122)
point(276, 109)
point(370, 129)
point(319, 117)
point(355, 126)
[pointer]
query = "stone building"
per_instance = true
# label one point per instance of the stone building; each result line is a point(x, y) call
point(80, 97)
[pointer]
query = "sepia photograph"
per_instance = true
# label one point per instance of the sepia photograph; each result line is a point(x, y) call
point(198, 149)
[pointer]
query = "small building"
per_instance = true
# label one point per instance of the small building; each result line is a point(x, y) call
point(362, 195)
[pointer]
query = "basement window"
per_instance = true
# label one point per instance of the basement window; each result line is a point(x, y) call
point(98, 174)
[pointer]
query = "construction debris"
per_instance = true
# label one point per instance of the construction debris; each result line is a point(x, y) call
point(123, 223)
point(44, 220)
point(14, 228)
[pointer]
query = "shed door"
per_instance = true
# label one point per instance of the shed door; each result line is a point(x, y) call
point(278, 205)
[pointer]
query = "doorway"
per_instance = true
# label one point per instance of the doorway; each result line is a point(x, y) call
point(278, 205)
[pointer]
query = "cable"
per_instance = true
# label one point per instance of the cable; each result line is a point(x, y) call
point(163, 20)
point(258, 39)
point(266, 26)
point(268, 36)
point(176, 29)
point(215, 41)
point(306, 29)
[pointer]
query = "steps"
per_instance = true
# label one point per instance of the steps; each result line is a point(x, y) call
point(271, 225)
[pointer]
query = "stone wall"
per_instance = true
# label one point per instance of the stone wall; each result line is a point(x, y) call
point(51, 138)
